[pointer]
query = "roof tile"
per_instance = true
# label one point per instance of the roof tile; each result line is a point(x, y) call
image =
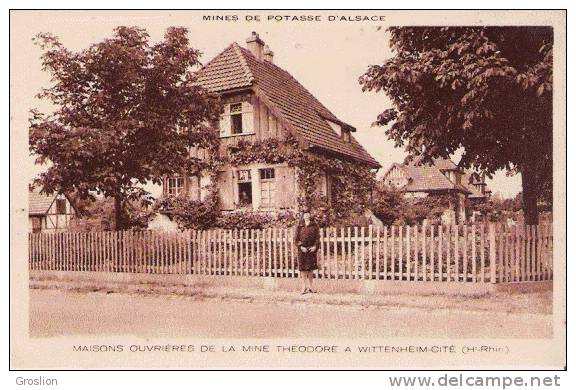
point(38, 204)
point(236, 67)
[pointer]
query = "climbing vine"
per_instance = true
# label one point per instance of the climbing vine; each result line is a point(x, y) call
point(351, 183)
point(351, 188)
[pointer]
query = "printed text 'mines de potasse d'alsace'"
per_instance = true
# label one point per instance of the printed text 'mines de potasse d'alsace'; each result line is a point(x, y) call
point(294, 18)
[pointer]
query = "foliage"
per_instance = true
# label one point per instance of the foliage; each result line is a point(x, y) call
point(497, 209)
point(320, 209)
point(351, 183)
point(487, 90)
point(126, 111)
point(271, 151)
point(430, 207)
point(388, 205)
point(253, 220)
point(188, 213)
point(391, 207)
point(98, 215)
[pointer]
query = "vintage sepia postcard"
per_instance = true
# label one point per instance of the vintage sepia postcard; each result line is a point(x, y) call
point(296, 189)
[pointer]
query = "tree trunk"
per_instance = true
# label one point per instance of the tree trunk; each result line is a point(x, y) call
point(530, 194)
point(118, 225)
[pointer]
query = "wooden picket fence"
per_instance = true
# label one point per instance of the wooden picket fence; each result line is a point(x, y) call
point(482, 253)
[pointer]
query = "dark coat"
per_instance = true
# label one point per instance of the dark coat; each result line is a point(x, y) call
point(308, 237)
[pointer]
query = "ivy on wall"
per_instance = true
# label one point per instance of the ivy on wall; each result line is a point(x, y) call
point(351, 183)
point(351, 187)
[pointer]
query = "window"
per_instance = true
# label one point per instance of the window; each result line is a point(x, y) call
point(237, 119)
point(267, 187)
point(336, 127)
point(458, 177)
point(346, 135)
point(61, 206)
point(343, 132)
point(175, 185)
point(244, 188)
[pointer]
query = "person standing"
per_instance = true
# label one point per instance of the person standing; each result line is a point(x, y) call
point(307, 241)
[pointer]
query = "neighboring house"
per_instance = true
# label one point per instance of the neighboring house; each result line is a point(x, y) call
point(262, 101)
point(442, 177)
point(49, 213)
point(476, 184)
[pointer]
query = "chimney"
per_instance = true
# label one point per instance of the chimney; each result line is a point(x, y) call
point(255, 45)
point(268, 54)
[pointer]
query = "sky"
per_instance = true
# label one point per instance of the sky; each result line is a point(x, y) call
point(326, 57)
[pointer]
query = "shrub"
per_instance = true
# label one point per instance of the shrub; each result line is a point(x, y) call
point(188, 213)
point(98, 215)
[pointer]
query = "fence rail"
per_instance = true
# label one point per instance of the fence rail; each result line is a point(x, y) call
point(483, 253)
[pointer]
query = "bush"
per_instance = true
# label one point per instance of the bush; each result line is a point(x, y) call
point(256, 220)
point(388, 206)
point(98, 215)
point(391, 207)
point(188, 213)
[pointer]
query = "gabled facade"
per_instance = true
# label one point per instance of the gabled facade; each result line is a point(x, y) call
point(441, 177)
point(477, 186)
point(261, 101)
point(49, 213)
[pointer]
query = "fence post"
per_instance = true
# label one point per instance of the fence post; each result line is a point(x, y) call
point(492, 239)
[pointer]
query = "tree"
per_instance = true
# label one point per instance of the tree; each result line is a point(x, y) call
point(126, 112)
point(487, 90)
point(388, 205)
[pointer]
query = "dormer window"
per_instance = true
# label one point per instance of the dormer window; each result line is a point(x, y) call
point(237, 119)
point(346, 135)
point(343, 132)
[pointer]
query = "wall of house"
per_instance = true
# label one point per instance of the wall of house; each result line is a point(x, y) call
point(161, 222)
point(284, 187)
point(416, 194)
point(461, 209)
point(54, 220)
point(395, 178)
point(260, 122)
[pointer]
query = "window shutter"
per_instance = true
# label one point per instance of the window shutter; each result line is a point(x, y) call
point(224, 125)
point(329, 189)
point(322, 185)
point(193, 190)
point(285, 187)
point(226, 185)
point(247, 118)
point(165, 186)
point(246, 106)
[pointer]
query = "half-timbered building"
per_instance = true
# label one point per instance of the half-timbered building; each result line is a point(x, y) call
point(441, 177)
point(49, 213)
point(261, 101)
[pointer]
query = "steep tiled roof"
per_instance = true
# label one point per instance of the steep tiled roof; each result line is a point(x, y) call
point(440, 163)
point(225, 71)
point(38, 204)
point(237, 67)
point(425, 178)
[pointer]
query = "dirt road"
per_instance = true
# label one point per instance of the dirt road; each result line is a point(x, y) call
point(57, 312)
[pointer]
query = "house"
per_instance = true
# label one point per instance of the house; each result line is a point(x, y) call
point(476, 184)
point(440, 178)
point(49, 213)
point(263, 102)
